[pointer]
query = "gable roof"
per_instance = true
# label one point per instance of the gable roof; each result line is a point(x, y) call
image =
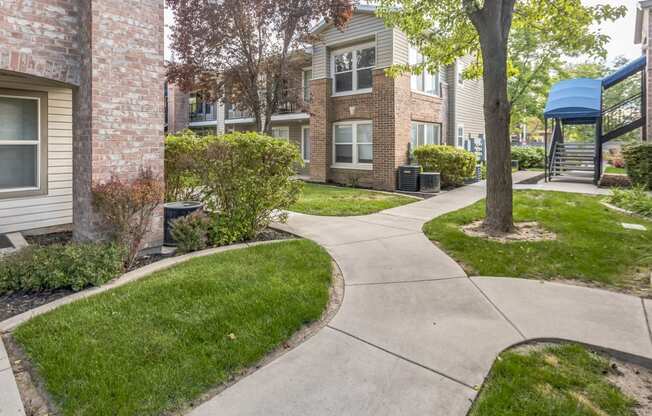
point(323, 24)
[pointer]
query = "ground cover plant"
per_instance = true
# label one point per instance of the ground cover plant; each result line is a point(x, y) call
point(614, 170)
point(636, 200)
point(151, 346)
point(336, 201)
point(559, 380)
point(591, 243)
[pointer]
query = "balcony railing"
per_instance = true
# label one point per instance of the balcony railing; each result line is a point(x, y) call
point(287, 106)
point(200, 117)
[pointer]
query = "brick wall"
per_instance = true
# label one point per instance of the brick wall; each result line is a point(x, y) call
point(178, 109)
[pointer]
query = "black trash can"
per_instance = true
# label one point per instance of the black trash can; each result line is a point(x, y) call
point(174, 210)
point(430, 182)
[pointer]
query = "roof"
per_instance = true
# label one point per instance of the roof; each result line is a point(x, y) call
point(360, 8)
point(575, 100)
point(624, 72)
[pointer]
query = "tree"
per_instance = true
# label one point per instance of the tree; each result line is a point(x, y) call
point(444, 30)
point(246, 50)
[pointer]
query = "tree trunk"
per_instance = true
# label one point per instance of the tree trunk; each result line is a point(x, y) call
point(497, 108)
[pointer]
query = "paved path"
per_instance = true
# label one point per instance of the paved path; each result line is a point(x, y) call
point(415, 335)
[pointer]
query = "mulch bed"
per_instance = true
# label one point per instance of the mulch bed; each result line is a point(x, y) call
point(17, 303)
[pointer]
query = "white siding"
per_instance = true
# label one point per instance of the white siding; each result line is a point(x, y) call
point(55, 208)
point(469, 102)
point(361, 28)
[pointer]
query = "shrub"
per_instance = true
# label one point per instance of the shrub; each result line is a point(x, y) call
point(191, 232)
point(529, 157)
point(618, 163)
point(454, 164)
point(181, 180)
point(127, 208)
point(636, 200)
point(638, 162)
point(248, 179)
point(71, 266)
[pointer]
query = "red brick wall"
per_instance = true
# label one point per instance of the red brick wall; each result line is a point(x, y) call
point(178, 109)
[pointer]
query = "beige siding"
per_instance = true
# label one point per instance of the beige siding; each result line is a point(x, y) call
point(55, 208)
point(361, 28)
point(468, 103)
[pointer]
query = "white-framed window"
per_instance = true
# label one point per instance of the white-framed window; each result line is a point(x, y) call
point(282, 132)
point(460, 135)
point(306, 76)
point(425, 133)
point(353, 144)
point(305, 143)
point(352, 69)
point(23, 147)
point(426, 82)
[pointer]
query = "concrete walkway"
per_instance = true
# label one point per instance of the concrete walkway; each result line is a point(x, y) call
point(415, 335)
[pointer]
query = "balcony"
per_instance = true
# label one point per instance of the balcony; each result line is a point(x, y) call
point(200, 110)
point(290, 105)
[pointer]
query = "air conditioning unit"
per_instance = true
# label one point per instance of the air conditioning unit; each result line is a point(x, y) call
point(408, 178)
point(430, 182)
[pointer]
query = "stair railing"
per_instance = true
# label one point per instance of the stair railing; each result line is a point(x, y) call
point(622, 114)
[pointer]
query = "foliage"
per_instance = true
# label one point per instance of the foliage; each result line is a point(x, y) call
point(191, 232)
point(529, 157)
point(591, 244)
point(181, 182)
point(454, 164)
point(71, 266)
point(636, 200)
point(127, 208)
point(338, 201)
point(564, 380)
point(638, 162)
point(248, 179)
point(226, 48)
point(153, 346)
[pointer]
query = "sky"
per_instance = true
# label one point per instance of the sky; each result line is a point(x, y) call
point(621, 31)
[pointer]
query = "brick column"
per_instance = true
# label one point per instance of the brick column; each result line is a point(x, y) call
point(118, 106)
point(320, 129)
point(178, 109)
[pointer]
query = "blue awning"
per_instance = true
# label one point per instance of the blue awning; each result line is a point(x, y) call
point(624, 72)
point(575, 100)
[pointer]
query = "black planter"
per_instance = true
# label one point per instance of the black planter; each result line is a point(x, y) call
point(174, 210)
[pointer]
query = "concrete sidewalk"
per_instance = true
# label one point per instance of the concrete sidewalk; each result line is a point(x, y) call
point(414, 334)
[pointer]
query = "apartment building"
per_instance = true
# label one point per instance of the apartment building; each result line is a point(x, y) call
point(360, 121)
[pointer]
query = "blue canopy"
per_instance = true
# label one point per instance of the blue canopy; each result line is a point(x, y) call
point(624, 72)
point(575, 100)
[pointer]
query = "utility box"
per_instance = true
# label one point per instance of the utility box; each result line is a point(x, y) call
point(408, 178)
point(430, 182)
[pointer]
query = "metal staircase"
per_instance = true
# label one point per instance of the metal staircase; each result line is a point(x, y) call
point(572, 159)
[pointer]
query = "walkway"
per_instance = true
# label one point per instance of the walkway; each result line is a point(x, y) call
point(415, 335)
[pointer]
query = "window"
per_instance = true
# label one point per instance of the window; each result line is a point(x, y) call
point(281, 133)
point(460, 72)
point(200, 108)
point(307, 76)
point(353, 69)
point(425, 82)
point(353, 144)
point(305, 143)
point(460, 136)
point(425, 133)
point(23, 144)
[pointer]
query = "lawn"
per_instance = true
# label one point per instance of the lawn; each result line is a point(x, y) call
point(611, 169)
point(338, 201)
point(591, 243)
point(153, 345)
point(565, 380)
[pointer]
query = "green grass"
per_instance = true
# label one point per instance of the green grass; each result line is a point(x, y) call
point(591, 244)
point(153, 345)
point(338, 201)
point(611, 169)
point(564, 380)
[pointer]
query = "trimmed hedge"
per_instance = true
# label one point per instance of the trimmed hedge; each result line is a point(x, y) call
point(181, 181)
point(454, 164)
point(529, 157)
point(638, 163)
point(70, 266)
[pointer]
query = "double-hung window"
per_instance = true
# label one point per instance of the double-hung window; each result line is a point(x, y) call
point(282, 133)
point(425, 133)
point(353, 69)
point(425, 82)
point(353, 144)
point(23, 145)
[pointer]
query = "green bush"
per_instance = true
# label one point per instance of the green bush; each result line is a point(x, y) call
point(638, 163)
point(454, 164)
point(637, 200)
point(181, 180)
point(191, 232)
point(71, 266)
point(529, 157)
